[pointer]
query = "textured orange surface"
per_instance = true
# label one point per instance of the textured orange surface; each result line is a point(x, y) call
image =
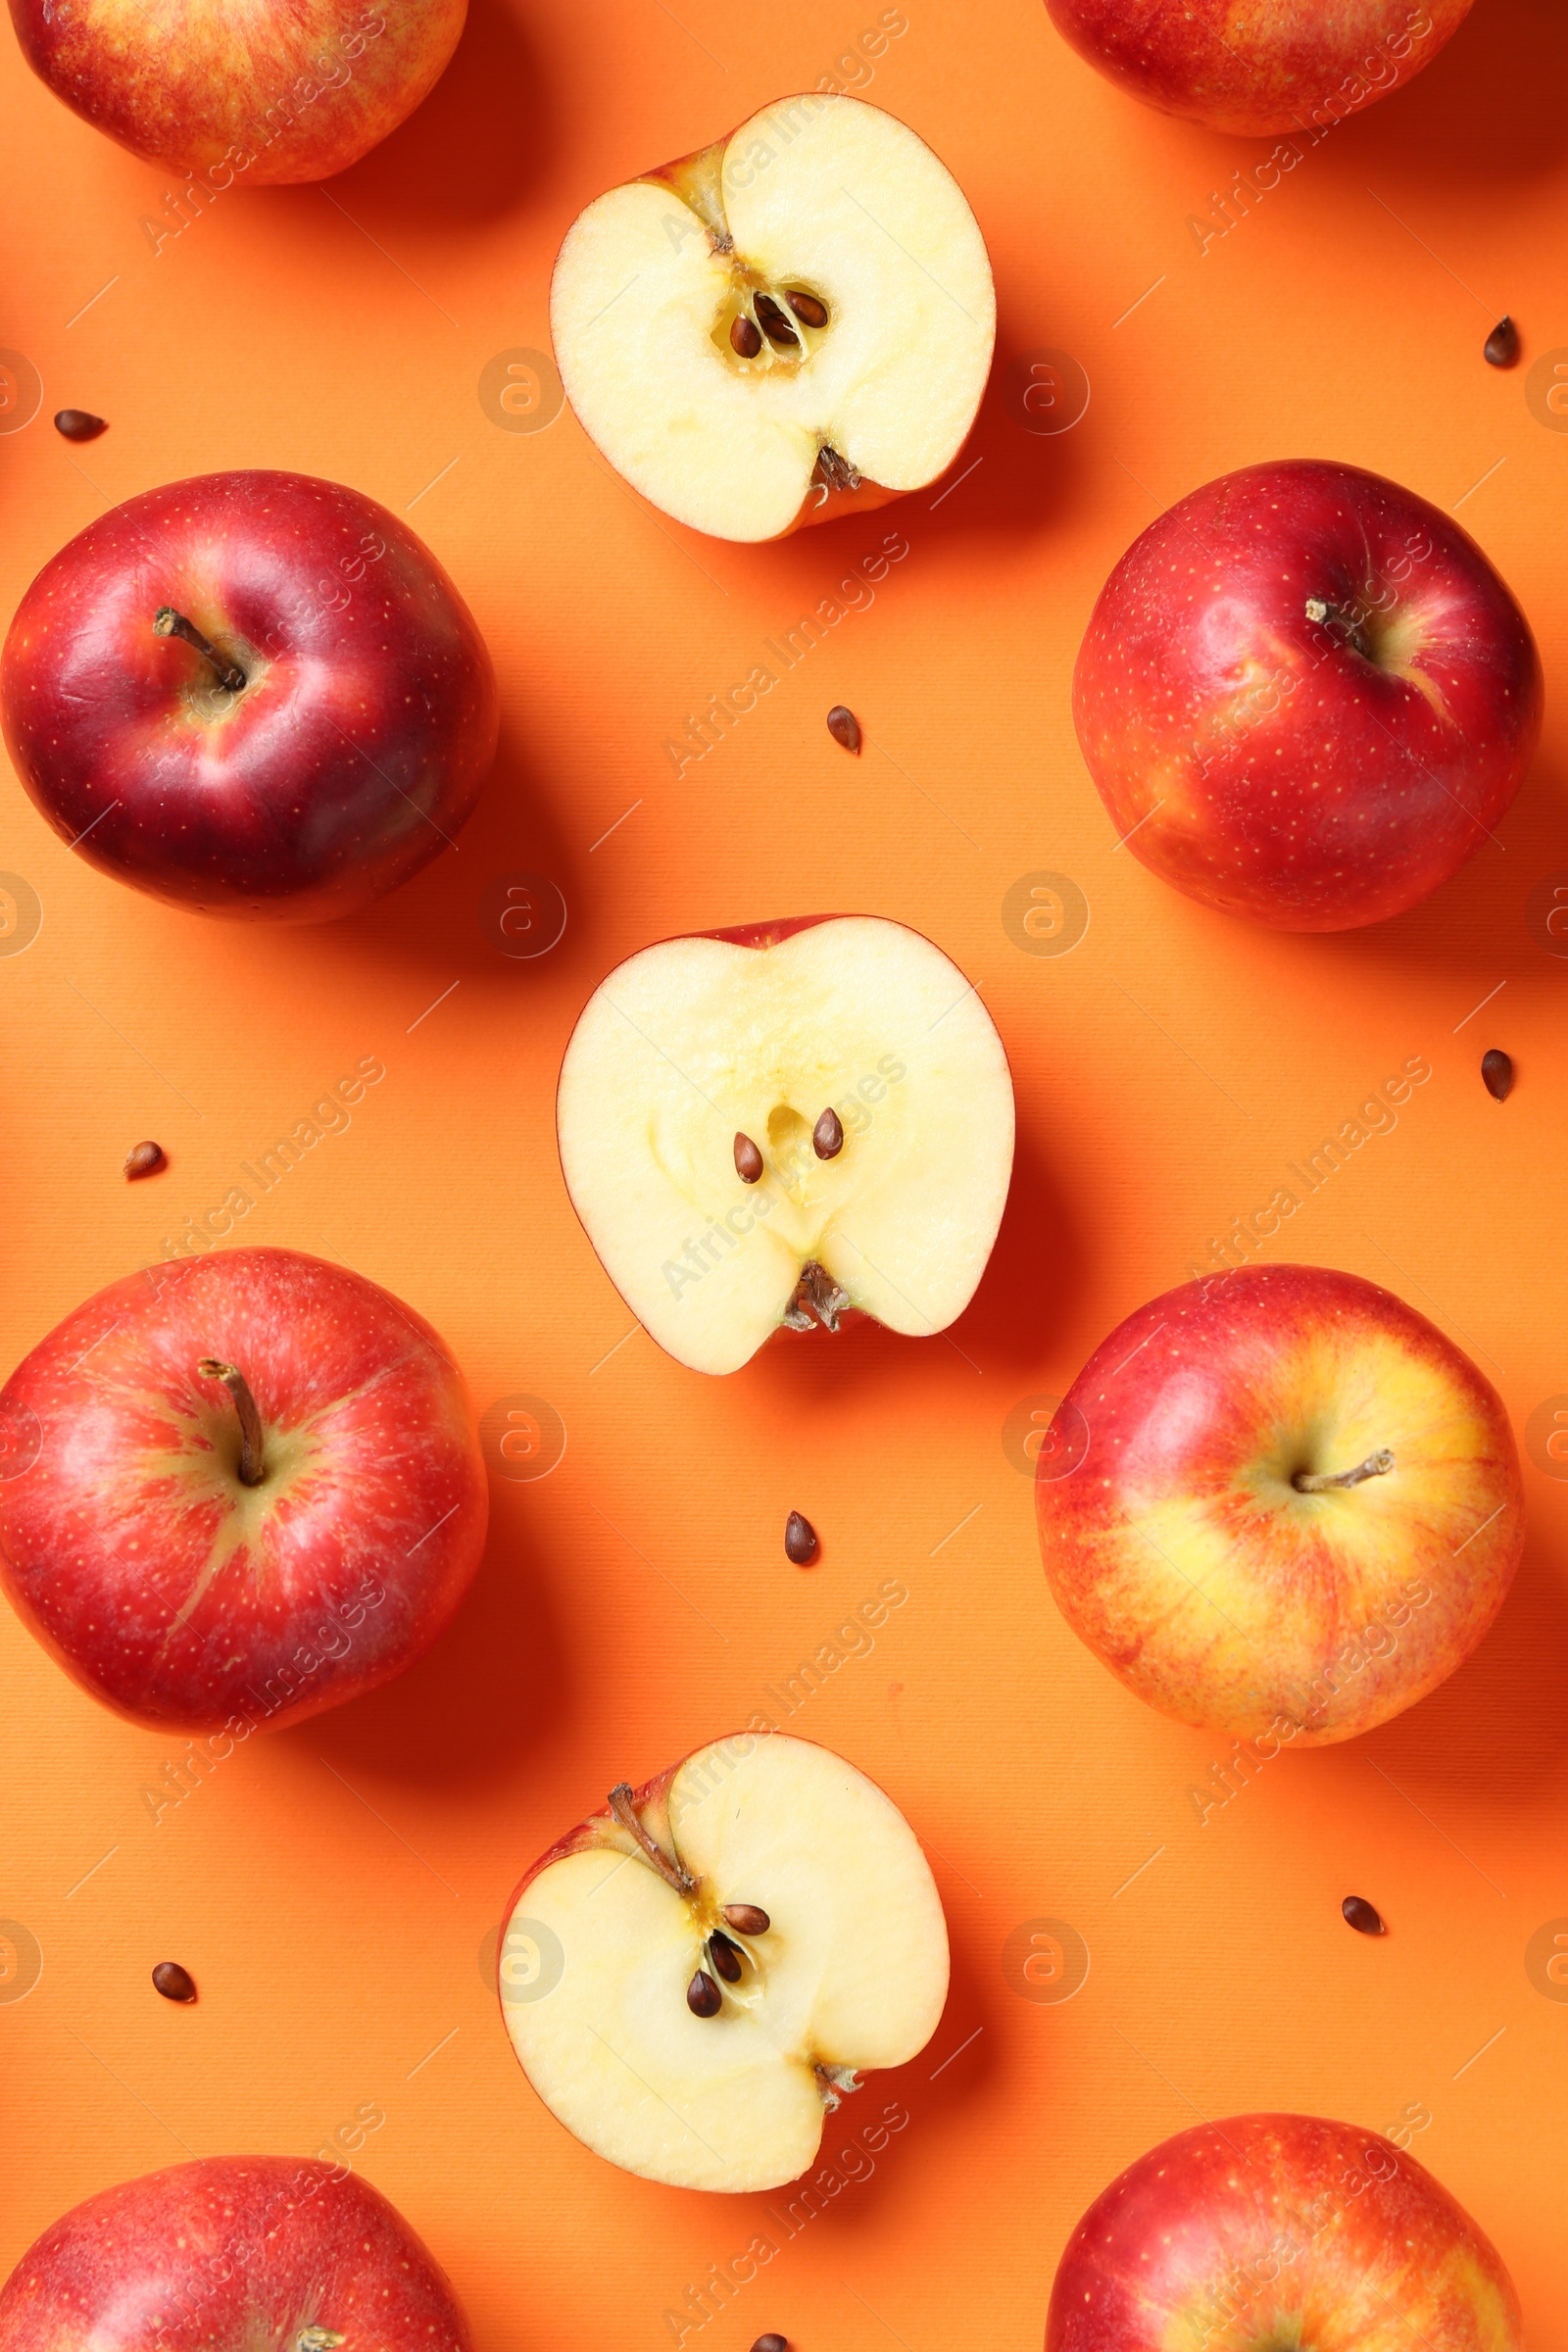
point(332, 1888)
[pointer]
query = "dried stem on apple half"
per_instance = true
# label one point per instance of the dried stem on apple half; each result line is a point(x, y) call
point(252, 1467)
point(1317, 1482)
point(166, 622)
point(672, 1872)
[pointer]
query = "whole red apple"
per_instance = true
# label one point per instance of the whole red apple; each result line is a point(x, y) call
point(230, 2254)
point(1266, 2230)
point(256, 92)
point(1306, 696)
point(1281, 1507)
point(1290, 65)
point(253, 694)
point(237, 1490)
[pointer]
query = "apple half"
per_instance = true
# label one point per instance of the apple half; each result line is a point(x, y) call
point(704, 1970)
point(771, 1127)
point(795, 320)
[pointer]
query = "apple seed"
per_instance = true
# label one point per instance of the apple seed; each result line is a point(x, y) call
point(1502, 347)
point(743, 336)
point(800, 1541)
point(143, 1159)
point(827, 1136)
point(703, 1996)
point(807, 307)
point(175, 1982)
point(772, 2344)
point(725, 1956)
point(748, 1159)
point(774, 324)
point(844, 727)
point(1362, 1916)
point(80, 424)
point(747, 1919)
point(1496, 1074)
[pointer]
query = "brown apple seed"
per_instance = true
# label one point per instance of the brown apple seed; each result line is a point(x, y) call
point(703, 1996)
point(80, 424)
point(727, 1957)
point(748, 1159)
point(144, 1159)
point(1496, 1074)
point(801, 1543)
point(747, 1919)
point(844, 727)
point(1502, 347)
point(827, 1136)
point(1362, 1916)
point(774, 325)
point(175, 1982)
point(806, 308)
point(744, 337)
point(772, 2344)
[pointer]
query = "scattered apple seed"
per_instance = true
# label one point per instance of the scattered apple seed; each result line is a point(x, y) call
point(807, 307)
point(175, 1982)
point(844, 727)
point(703, 1996)
point(743, 336)
point(1502, 347)
point(747, 1919)
point(144, 1159)
point(801, 1543)
point(1362, 1916)
point(80, 424)
point(774, 325)
point(727, 1957)
point(1496, 1074)
point(827, 1136)
point(772, 2344)
point(748, 1159)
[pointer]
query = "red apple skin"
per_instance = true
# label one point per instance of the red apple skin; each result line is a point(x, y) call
point(184, 1600)
point(1292, 65)
point(356, 750)
point(1253, 757)
point(247, 96)
point(1177, 1551)
point(1267, 2229)
point(225, 2255)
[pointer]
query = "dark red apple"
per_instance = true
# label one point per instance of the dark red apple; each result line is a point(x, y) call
point(237, 1490)
point(253, 694)
point(232, 2254)
point(1267, 2231)
point(1288, 65)
point(1306, 696)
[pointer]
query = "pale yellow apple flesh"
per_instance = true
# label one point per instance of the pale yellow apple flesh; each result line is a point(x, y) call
point(824, 197)
point(851, 1974)
point(698, 1041)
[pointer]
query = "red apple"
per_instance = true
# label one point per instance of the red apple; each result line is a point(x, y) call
point(1280, 1505)
point(253, 694)
point(1291, 64)
point(253, 91)
point(1267, 2231)
point(1306, 696)
point(237, 1490)
point(231, 2254)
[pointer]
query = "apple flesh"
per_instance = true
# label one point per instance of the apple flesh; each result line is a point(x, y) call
point(789, 324)
point(1292, 65)
point(1267, 2231)
point(1291, 1507)
point(731, 1947)
point(1306, 696)
point(700, 1048)
point(247, 93)
point(250, 1488)
point(232, 2254)
point(327, 742)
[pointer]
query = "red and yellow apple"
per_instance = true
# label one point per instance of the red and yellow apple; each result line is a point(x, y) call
point(694, 1979)
point(1290, 1506)
point(257, 92)
point(770, 1128)
point(230, 2254)
point(1268, 2230)
point(789, 325)
point(1286, 65)
point(238, 1490)
point(1306, 696)
point(250, 694)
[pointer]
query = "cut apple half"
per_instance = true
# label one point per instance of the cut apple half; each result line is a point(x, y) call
point(706, 1969)
point(769, 1128)
point(794, 321)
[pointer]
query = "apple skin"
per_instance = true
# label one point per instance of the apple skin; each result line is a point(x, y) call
point(220, 2255)
point(184, 1600)
point(1251, 757)
point(1178, 1550)
point(254, 95)
point(1267, 2229)
point(1292, 65)
point(357, 748)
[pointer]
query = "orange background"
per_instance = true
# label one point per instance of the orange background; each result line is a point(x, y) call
point(331, 1888)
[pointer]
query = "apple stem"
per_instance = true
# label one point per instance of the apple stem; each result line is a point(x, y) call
point(166, 622)
point(674, 1874)
point(1315, 1481)
point(1342, 618)
point(251, 1468)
